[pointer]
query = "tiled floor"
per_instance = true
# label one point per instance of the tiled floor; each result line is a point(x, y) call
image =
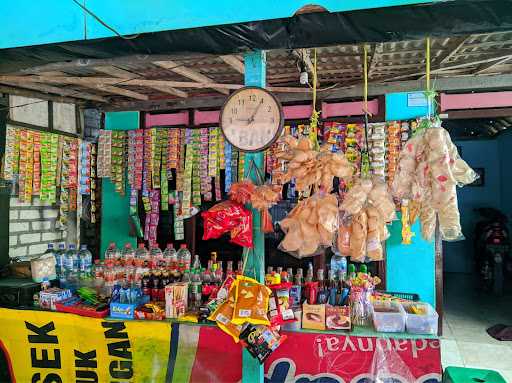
point(467, 314)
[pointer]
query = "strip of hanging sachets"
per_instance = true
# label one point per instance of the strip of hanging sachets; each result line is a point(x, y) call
point(164, 180)
point(227, 162)
point(37, 164)
point(73, 174)
point(64, 191)
point(196, 176)
point(241, 163)
point(173, 149)
point(12, 153)
point(104, 160)
point(206, 182)
point(218, 194)
point(29, 167)
point(187, 176)
point(180, 170)
point(156, 160)
point(22, 164)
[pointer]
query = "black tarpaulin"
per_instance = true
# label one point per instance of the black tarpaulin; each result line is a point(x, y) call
point(441, 19)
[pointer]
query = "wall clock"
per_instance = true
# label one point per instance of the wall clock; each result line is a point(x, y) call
point(252, 119)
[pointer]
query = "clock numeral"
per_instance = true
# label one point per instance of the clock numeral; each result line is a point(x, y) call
point(272, 120)
point(261, 101)
point(234, 110)
point(241, 101)
point(252, 97)
point(269, 109)
point(231, 120)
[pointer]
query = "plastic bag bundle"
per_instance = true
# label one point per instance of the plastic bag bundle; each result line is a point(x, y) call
point(310, 226)
point(309, 167)
point(429, 170)
point(364, 213)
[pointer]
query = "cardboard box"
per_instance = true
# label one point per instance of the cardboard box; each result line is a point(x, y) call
point(126, 310)
point(313, 317)
point(337, 318)
point(176, 299)
point(48, 298)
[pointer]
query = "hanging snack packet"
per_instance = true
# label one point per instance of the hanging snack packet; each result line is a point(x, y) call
point(261, 341)
point(279, 306)
point(224, 313)
point(251, 303)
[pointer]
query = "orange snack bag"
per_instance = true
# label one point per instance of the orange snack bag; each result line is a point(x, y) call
point(251, 302)
point(224, 313)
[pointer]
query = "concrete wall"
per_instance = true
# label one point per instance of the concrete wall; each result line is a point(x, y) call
point(505, 149)
point(32, 227)
point(458, 256)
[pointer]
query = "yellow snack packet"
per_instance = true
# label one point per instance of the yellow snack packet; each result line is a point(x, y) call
point(251, 302)
point(224, 313)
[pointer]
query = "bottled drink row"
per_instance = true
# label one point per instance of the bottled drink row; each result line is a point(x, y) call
point(145, 270)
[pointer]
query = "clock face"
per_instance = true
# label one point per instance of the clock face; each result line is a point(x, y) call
point(252, 119)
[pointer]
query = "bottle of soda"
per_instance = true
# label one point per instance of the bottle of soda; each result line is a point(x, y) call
point(141, 255)
point(146, 284)
point(155, 256)
point(229, 269)
point(128, 255)
point(184, 258)
point(170, 257)
point(156, 285)
point(110, 253)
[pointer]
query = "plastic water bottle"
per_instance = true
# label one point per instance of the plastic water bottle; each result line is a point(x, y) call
point(85, 262)
point(171, 257)
point(110, 253)
point(184, 258)
point(128, 254)
point(156, 256)
point(71, 266)
point(339, 264)
point(197, 263)
point(59, 262)
point(141, 255)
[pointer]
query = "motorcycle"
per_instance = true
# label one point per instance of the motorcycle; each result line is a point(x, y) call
point(492, 249)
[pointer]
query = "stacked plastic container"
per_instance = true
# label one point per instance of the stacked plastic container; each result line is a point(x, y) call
point(388, 316)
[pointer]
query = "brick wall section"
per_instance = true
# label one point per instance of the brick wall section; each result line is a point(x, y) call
point(32, 227)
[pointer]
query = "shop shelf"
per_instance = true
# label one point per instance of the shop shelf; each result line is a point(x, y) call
point(421, 324)
point(388, 316)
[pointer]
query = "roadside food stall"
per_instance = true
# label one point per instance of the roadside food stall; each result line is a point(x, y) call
point(247, 241)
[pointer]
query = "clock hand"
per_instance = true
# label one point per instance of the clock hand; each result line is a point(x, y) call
point(251, 119)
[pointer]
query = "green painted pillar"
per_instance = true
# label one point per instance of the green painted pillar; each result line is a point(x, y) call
point(255, 75)
point(115, 209)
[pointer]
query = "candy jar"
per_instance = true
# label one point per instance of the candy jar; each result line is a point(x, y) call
point(360, 305)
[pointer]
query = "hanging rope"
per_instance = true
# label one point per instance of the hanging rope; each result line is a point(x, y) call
point(313, 132)
point(365, 157)
point(427, 59)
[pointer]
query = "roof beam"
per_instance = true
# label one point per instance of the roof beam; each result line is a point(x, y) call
point(58, 91)
point(189, 73)
point(102, 81)
point(121, 73)
point(15, 91)
point(234, 62)
point(486, 67)
point(103, 87)
point(375, 88)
